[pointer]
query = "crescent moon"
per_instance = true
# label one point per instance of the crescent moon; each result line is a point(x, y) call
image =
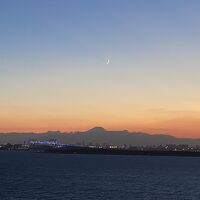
point(108, 61)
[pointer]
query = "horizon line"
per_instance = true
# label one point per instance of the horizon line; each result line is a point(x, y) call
point(95, 127)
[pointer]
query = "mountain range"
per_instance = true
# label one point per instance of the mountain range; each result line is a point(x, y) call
point(98, 135)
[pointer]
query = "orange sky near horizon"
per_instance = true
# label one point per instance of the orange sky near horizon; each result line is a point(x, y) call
point(155, 122)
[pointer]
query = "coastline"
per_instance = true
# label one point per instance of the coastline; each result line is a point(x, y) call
point(121, 152)
point(104, 151)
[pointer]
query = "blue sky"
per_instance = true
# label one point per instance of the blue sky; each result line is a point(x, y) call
point(53, 63)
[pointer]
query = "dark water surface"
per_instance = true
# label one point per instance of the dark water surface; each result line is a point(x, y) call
point(32, 176)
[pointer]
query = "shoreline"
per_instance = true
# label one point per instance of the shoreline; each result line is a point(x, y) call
point(121, 152)
point(99, 151)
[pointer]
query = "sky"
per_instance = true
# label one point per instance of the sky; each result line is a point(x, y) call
point(54, 73)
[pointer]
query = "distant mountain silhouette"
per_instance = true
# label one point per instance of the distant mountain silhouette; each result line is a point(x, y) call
point(96, 130)
point(98, 135)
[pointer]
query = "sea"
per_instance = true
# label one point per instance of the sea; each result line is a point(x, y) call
point(43, 176)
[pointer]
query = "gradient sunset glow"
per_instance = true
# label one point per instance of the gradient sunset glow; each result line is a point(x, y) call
point(54, 73)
